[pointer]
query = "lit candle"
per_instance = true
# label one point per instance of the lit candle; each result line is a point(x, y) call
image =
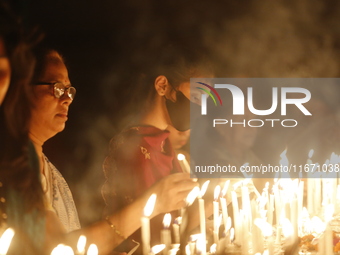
point(157, 249)
point(81, 245)
point(145, 222)
point(216, 212)
point(202, 246)
point(310, 184)
point(271, 209)
point(224, 204)
point(165, 233)
point(175, 228)
point(328, 234)
point(257, 235)
point(93, 250)
point(236, 216)
point(183, 163)
point(5, 241)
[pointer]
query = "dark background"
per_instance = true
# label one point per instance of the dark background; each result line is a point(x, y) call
point(101, 39)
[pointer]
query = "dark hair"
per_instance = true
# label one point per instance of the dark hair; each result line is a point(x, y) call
point(177, 63)
point(44, 56)
point(19, 168)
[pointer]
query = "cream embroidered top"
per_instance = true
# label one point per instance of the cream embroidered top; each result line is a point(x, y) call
point(58, 196)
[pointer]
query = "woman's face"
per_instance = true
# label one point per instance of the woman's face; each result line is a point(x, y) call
point(5, 71)
point(49, 113)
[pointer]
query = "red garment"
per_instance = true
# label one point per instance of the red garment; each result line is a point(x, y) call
point(139, 157)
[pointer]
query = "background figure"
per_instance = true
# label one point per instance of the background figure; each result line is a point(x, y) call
point(21, 194)
point(142, 154)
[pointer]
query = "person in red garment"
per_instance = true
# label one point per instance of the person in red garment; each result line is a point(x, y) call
point(142, 154)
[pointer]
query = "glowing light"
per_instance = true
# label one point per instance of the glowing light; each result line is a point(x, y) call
point(225, 188)
point(213, 248)
point(217, 192)
point(5, 240)
point(81, 244)
point(150, 205)
point(204, 188)
point(192, 195)
point(287, 228)
point(157, 248)
point(167, 220)
point(93, 250)
point(180, 156)
point(310, 153)
point(266, 228)
point(62, 249)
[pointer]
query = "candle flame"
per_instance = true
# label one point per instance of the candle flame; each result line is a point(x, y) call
point(187, 250)
point(310, 153)
point(81, 244)
point(178, 220)
point(200, 244)
point(304, 213)
point(173, 251)
point(217, 192)
point(62, 249)
point(232, 234)
point(213, 248)
point(204, 188)
point(266, 228)
point(157, 248)
point(194, 238)
point(150, 205)
point(318, 226)
point(192, 195)
point(180, 157)
point(329, 211)
point(225, 188)
point(287, 227)
point(93, 250)
point(266, 185)
point(167, 220)
point(5, 240)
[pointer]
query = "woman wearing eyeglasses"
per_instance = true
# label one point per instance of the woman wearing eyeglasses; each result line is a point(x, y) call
point(52, 97)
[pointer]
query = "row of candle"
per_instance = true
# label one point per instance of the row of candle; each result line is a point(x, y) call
point(253, 219)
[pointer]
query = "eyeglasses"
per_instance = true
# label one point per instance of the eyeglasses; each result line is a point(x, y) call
point(59, 89)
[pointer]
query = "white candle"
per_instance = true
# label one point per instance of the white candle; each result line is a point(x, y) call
point(236, 216)
point(310, 184)
point(175, 228)
point(183, 163)
point(202, 246)
point(224, 204)
point(216, 213)
point(145, 222)
point(165, 233)
point(293, 217)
